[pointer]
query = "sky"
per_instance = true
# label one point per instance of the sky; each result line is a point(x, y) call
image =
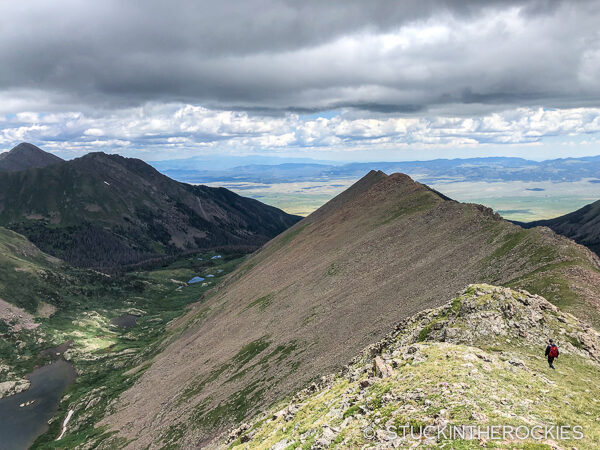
point(332, 80)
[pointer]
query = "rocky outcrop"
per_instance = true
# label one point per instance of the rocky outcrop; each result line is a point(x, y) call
point(381, 369)
point(485, 313)
point(8, 388)
point(18, 318)
point(476, 361)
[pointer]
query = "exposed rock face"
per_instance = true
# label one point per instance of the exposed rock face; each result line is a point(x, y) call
point(17, 317)
point(475, 361)
point(8, 388)
point(381, 369)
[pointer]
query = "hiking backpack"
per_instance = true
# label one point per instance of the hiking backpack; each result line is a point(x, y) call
point(553, 351)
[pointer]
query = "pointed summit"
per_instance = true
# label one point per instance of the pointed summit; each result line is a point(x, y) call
point(381, 194)
point(26, 156)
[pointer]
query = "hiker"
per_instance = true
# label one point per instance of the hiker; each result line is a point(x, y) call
point(551, 352)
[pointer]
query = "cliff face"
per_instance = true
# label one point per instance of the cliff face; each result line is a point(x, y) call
point(477, 361)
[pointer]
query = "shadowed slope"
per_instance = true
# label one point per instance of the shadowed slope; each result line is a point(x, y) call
point(26, 156)
point(583, 226)
point(26, 274)
point(335, 282)
point(108, 211)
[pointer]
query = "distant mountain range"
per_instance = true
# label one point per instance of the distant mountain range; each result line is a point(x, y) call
point(339, 280)
point(224, 162)
point(107, 211)
point(440, 170)
point(26, 156)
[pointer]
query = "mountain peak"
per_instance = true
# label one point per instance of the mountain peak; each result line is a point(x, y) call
point(120, 211)
point(379, 191)
point(100, 162)
point(399, 180)
point(101, 155)
point(26, 147)
point(26, 156)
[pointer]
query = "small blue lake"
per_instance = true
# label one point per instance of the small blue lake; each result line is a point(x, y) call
point(20, 426)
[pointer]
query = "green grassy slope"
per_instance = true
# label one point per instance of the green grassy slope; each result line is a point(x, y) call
point(476, 361)
point(583, 226)
point(72, 311)
point(27, 275)
point(564, 273)
point(110, 359)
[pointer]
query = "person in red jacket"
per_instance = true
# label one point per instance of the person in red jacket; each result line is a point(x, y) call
point(551, 353)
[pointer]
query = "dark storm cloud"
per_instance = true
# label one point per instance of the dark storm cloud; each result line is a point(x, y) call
point(267, 55)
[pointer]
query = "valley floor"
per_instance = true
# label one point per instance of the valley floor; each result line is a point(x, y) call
point(108, 328)
point(513, 200)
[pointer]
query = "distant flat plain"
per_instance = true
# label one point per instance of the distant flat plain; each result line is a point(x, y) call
point(518, 189)
point(514, 200)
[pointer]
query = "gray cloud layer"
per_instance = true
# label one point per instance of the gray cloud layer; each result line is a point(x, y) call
point(261, 55)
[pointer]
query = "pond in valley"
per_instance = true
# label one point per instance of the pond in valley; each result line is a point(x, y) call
point(125, 321)
point(20, 426)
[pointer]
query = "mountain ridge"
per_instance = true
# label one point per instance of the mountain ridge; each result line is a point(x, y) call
point(108, 211)
point(333, 283)
point(476, 361)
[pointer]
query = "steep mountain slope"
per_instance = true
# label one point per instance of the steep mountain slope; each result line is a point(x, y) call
point(31, 284)
point(583, 226)
point(475, 362)
point(26, 274)
point(105, 210)
point(26, 156)
point(311, 299)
